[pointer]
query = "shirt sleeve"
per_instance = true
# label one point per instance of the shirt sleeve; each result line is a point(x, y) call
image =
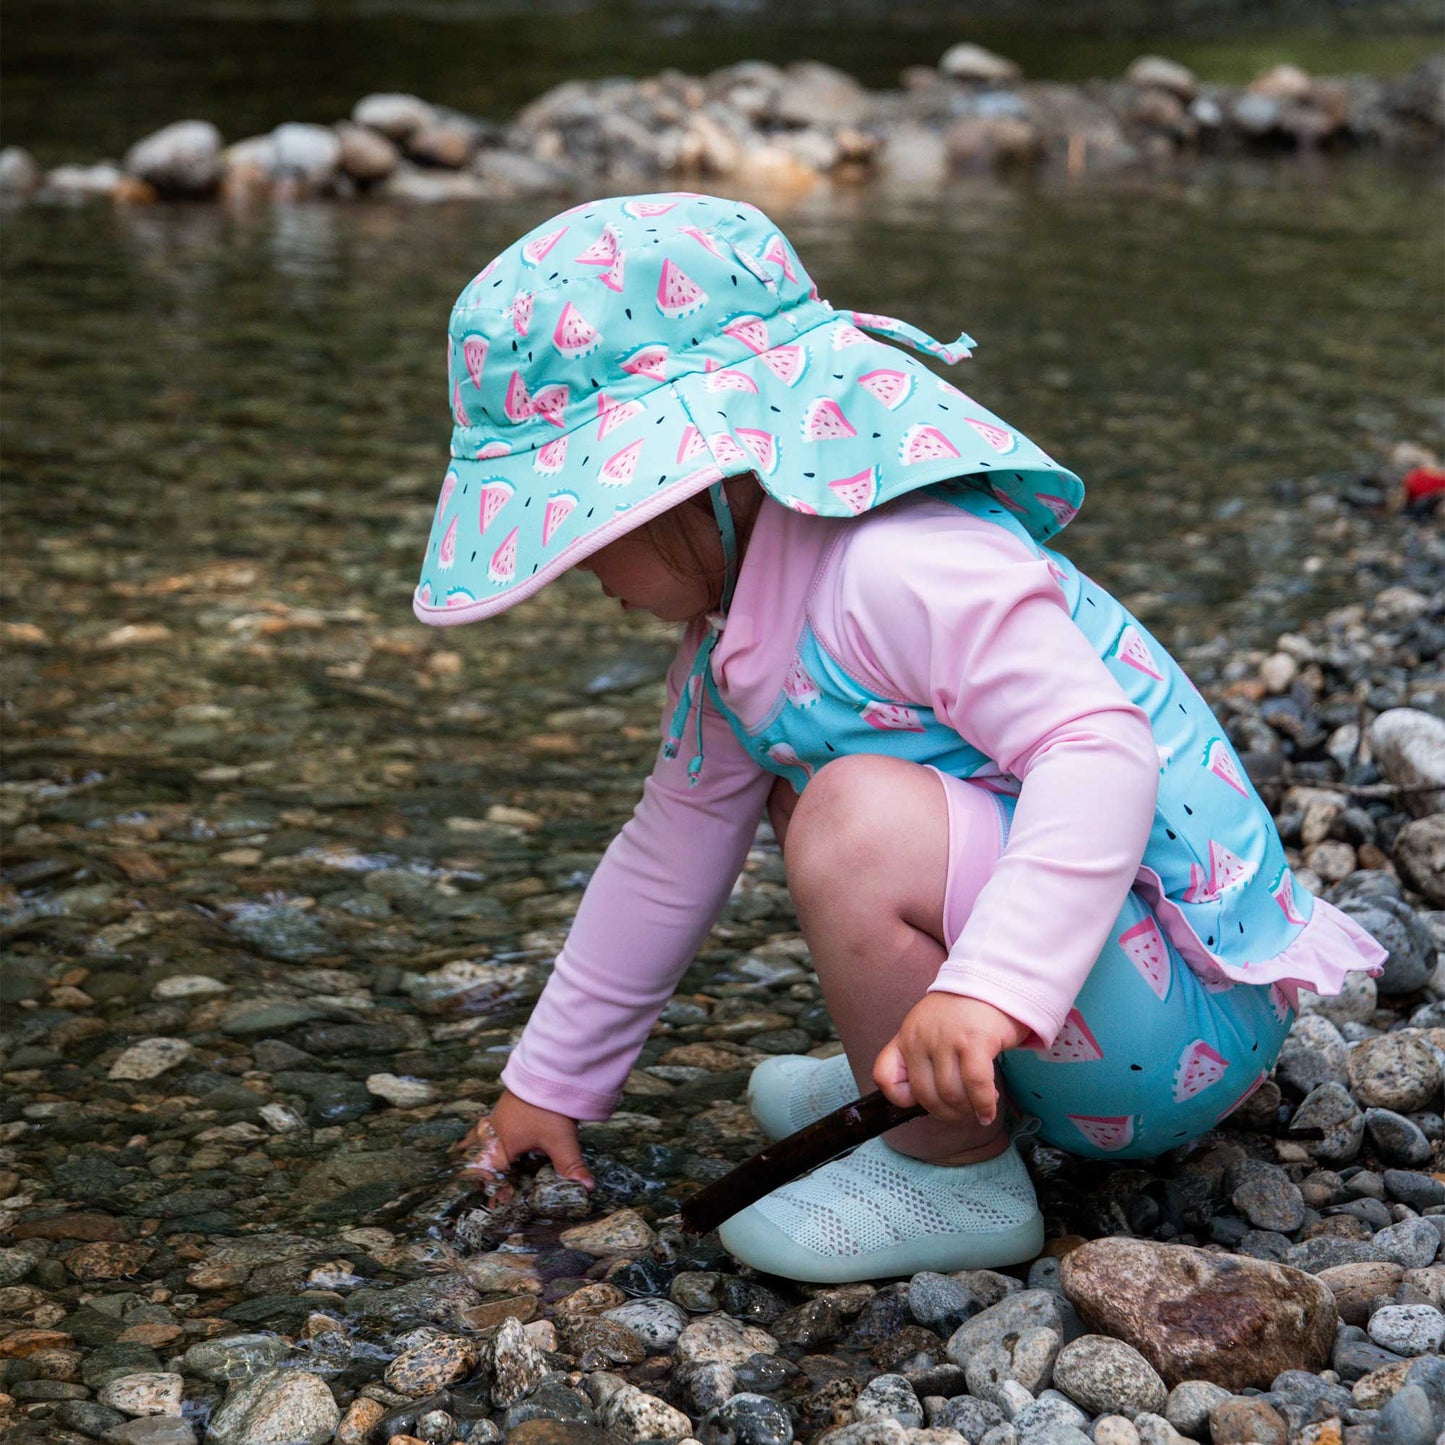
point(963, 617)
point(649, 905)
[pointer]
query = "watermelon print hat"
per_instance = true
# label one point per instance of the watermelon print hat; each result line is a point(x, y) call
point(633, 351)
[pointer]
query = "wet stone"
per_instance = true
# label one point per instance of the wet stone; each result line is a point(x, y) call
point(747, 1419)
point(763, 1374)
point(719, 1339)
point(746, 1300)
point(1398, 1140)
point(278, 1406)
point(431, 1365)
point(150, 1393)
point(624, 1232)
point(234, 1357)
point(697, 1291)
point(551, 1400)
point(156, 1430)
point(941, 1303)
point(516, 1364)
point(657, 1323)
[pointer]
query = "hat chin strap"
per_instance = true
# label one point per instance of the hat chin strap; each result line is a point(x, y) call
point(691, 695)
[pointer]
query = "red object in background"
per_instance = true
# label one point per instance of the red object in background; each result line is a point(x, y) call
point(1423, 483)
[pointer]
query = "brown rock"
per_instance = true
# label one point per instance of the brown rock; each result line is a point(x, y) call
point(605, 1339)
point(1357, 1286)
point(108, 1261)
point(1247, 1422)
point(356, 1424)
point(1375, 1390)
point(91, 1227)
point(21, 1344)
point(152, 1335)
point(590, 1299)
point(432, 1366)
point(522, 1307)
point(1193, 1315)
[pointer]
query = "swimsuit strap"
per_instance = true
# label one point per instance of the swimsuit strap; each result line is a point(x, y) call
point(691, 694)
point(910, 335)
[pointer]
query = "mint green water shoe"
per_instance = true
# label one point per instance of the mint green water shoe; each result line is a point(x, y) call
point(790, 1091)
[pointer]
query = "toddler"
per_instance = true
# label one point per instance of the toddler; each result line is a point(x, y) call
point(1016, 838)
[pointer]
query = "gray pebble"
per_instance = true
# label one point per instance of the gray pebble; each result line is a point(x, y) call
point(889, 1397)
point(1419, 1191)
point(970, 1416)
point(1268, 1197)
point(656, 1322)
point(940, 1303)
point(1405, 1419)
point(1331, 1108)
point(1413, 1243)
point(1397, 1140)
point(1107, 1376)
point(1409, 1330)
point(1189, 1403)
point(1052, 1410)
point(748, 1420)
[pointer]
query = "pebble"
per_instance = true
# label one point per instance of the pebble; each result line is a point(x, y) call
point(1240, 1421)
point(1398, 1140)
point(939, 1302)
point(1413, 1243)
point(747, 1419)
point(1028, 1309)
point(234, 1357)
point(147, 1393)
point(183, 158)
point(635, 1415)
point(625, 1232)
point(1409, 747)
point(968, 62)
point(276, 1407)
point(515, 1363)
point(1107, 1376)
point(889, 1397)
point(1268, 1198)
point(1408, 1329)
point(1189, 1403)
point(151, 1058)
point(401, 1093)
point(396, 116)
point(1405, 1419)
point(432, 1365)
point(656, 1322)
point(1397, 1071)
point(1330, 1107)
point(719, 1339)
point(154, 1430)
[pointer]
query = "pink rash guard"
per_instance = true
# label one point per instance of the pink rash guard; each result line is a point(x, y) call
point(923, 603)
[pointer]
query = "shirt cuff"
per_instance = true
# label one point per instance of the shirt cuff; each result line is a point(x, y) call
point(1005, 995)
point(559, 1095)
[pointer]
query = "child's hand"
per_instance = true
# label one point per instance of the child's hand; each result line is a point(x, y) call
point(942, 1057)
point(495, 1143)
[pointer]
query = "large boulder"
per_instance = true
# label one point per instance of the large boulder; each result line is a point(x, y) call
point(1193, 1315)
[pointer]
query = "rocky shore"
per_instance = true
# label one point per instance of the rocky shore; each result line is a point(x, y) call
point(755, 125)
point(238, 1043)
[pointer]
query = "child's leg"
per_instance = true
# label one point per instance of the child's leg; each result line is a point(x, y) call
point(880, 862)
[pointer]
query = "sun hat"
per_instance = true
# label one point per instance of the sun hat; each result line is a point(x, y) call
point(633, 351)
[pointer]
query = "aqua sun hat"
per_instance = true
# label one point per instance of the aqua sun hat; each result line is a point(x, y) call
point(631, 352)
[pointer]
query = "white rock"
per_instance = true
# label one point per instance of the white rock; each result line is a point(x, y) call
point(281, 1118)
point(146, 1393)
point(1409, 746)
point(96, 180)
point(720, 1339)
point(395, 115)
point(18, 172)
point(972, 62)
point(310, 154)
point(185, 156)
point(188, 985)
point(1157, 73)
point(276, 1407)
point(150, 1058)
point(1282, 82)
point(400, 1092)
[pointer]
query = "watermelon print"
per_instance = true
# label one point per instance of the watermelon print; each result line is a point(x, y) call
point(1133, 651)
point(891, 717)
point(677, 293)
point(552, 458)
point(763, 445)
point(459, 412)
point(518, 403)
point(726, 452)
point(752, 331)
point(1063, 512)
point(521, 312)
point(540, 247)
point(704, 239)
point(845, 335)
point(892, 388)
point(1006, 500)
point(787, 363)
point(796, 504)
point(488, 450)
point(1283, 893)
point(574, 334)
point(858, 492)
point(449, 485)
point(550, 403)
point(560, 506)
point(925, 444)
point(494, 496)
point(1145, 948)
point(728, 380)
point(620, 467)
point(776, 252)
point(1200, 1067)
point(691, 445)
point(824, 421)
point(458, 597)
point(999, 438)
point(474, 353)
point(1105, 1131)
point(788, 758)
point(647, 210)
point(602, 252)
point(613, 414)
point(1075, 1043)
point(1226, 870)
point(613, 277)
point(1220, 761)
point(650, 360)
point(503, 566)
point(798, 687)
point(447, 552)
point(1057, 573)
point(1279, 1001)
point(423, 594)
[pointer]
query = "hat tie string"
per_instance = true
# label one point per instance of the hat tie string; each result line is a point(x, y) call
point(910, 335)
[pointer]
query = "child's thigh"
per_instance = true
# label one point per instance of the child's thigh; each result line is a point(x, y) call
point(1150, 1056)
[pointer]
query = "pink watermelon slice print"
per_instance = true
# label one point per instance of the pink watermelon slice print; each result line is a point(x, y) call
point(728, 380)
point(1004, 499)
point(1199, 1068)
point(892, 388)
point(574, 334)
point(560, 506)
point(459, 412)
point(620, 467)
point(824, 421)
point(891, 717)
point(763, 445)
point(1283, 892)
point(488, 450)
point(725, 450)
point(458, 597)
point(798, 687)
point(447, 552)
point(1063, 512)
point(474, 353)
point(1227, 870)
point(787, 363)
point(1220, 762)
point(551, 458)
point(1105, 1131)
point(844, 335)
point(752, 331)
point(1280, 1001)
point(858, 492)
point(602, 252)
point(611, 278)
point(1057, 573)
point(798, 505)
point(612, 414)
point(494, 496)
point(646, 210)
point(691, 445)
point(503, 566)
point(521, 312)
point(423, 594)
point(925, 444)
point(677, 293)
point(650, 360)
point(1254, 1084)
point(449, 485)
point(1000, 439)
point(539, 247)
point(549, 403)
point(1133, 650)
point(776, 251)
point(783, 753)
point(703, 239)
point(1075, 1043)
point(1145, 948)
point(518, 401)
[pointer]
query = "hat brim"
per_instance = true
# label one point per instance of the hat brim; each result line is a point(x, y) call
point(833, 423)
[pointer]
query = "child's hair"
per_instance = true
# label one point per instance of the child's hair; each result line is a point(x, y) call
point(676, 543)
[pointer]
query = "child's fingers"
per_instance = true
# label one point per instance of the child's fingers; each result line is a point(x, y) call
point(486, 1153)
point(566, 1156)
point(890, 1073)
point(982, 1095)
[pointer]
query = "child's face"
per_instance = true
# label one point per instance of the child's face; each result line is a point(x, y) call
point(631, 570)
